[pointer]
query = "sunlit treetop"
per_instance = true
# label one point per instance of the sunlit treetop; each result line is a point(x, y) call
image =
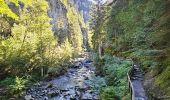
point(5, 10)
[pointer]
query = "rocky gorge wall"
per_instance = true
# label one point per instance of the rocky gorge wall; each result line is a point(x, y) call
point(60, 13)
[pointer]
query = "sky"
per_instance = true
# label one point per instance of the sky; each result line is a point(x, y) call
point(103, 1)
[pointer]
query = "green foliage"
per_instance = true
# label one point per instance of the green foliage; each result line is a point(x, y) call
point(5, 27)
point(115, 69)
point(14, 85)
point(60, 58)
point(96, 83)
point(18, 85)
point(76, 25)
point(19, 52)
point(163, 75)
point(32, 46)
point(142, 22)
point(163, 79)
point(108, 93)
point(65, 2)
point(75, 30)
point(98, 63)
point(115, 73)
point(5, 10)
point(97, 25)
point(136, 29)
point(7, 81)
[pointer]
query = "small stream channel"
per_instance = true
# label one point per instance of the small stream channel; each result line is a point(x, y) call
point(78, 83)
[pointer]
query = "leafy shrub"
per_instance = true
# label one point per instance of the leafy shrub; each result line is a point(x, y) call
point(108, 93)
point(115, 69)
point(18, 85)
point(98, 63)
point(14, 85)
point(115, 74)
point(96, 83)
point(7, 81)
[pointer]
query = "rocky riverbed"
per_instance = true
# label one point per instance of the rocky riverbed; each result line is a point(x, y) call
point(78, 83)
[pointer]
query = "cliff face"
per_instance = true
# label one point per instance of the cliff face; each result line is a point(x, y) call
point(58, 11)
point(64, 12)
point(83, 6)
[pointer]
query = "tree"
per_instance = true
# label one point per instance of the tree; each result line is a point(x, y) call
point(98, 15)
point(31, 39)
point(5, 10)
point(75, 32)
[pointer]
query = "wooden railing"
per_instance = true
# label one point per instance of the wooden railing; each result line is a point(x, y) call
point(135, 95)
point(131, 90)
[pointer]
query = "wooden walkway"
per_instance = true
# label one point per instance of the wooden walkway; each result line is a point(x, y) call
point(135, 78)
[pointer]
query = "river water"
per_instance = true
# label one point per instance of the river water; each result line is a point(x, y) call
point(78, 83)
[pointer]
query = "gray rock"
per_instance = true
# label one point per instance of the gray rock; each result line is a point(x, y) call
point(28, 97)
point(96, 97)
point(65, 94)
point(72, 97)
point(74, 85)
point(44, 91)
point(84, 87)
point(45, 98)
point(53, 93)
point(77, 93)
point(50, 85)
point(71, 92)
point(61, 98)
point(89, 91)
point(86, 78)
point(78, 64)
point(87, 96)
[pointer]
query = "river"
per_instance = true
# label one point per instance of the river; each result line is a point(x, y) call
point(78, 83)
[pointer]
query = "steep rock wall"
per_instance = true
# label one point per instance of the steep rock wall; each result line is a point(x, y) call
point(66, 12)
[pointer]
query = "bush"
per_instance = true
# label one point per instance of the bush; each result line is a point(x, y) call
point(96, 83)
point(14, 85)
point(108, 93)
point(98, 64)
point(18, 85)
point(7, 81)
point(115, 69)
point(115, 74)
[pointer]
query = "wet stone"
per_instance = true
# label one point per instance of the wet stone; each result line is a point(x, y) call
point(70, 86)
point(87, 96)
point(28, 97)
point(52, 94)
point(86, 78)
point(50, 85)
point(72, 97)
point(96, 97)
point(45, 98)
point(84, 87)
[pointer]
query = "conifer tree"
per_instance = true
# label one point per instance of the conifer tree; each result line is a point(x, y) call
point(74, 30)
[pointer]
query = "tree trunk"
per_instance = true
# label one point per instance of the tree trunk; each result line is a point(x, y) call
point(42, 71)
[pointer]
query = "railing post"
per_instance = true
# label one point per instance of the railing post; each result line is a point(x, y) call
point(129, 81)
